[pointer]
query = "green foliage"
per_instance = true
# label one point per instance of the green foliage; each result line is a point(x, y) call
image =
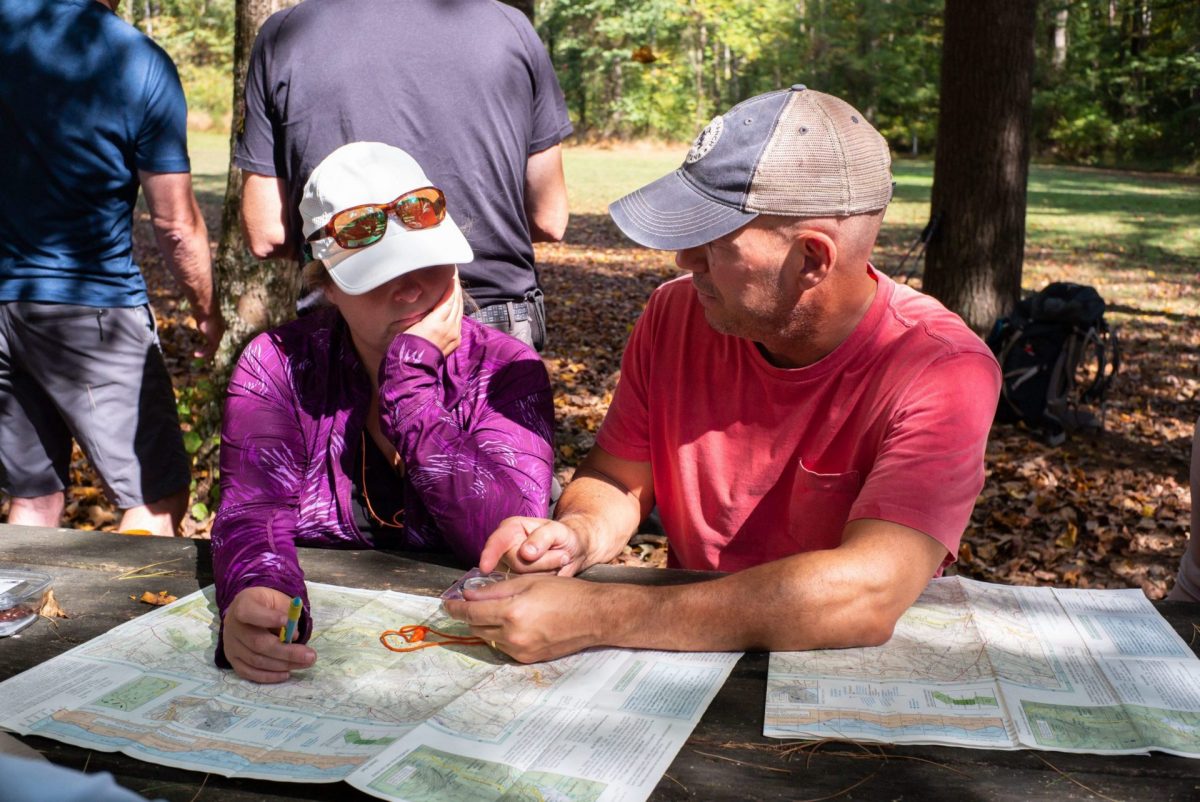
point(1124, 91)
point(197, 402)
point(662, 68)
point(1121, 89)
point(198, 35)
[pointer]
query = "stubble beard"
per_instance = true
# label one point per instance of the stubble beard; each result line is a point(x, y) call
point(782, 324)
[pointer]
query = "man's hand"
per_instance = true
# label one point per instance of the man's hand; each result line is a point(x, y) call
point(532, 545)
point(443, 325)
point(536, 618)
point(213, 329)
point(252, 643)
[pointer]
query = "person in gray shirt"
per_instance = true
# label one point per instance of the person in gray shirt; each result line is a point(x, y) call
point(466, 87)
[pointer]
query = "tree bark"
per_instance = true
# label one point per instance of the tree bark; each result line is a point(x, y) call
point(981, 169)
point(1059, 42)
point(255, 296)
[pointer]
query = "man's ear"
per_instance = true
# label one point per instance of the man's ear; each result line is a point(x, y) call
point(814, 254)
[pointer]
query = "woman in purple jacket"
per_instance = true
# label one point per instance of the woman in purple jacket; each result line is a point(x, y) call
point(386, 420)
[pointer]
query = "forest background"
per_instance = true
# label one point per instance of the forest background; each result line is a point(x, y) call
point(1117, 81)
point(1113, 201)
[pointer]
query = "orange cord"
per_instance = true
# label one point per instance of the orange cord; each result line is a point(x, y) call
point(416, 633)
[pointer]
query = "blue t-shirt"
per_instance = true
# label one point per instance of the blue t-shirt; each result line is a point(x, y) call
point(466, 87)
point(85, 103)
point(35, 780)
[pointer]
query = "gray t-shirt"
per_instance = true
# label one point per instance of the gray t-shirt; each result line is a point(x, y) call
point(465, 86)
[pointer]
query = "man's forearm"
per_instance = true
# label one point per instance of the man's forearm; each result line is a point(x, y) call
point(264, 218)
point(185, 251)
point(546, 207)
point(601, 511)
point(784, 606)
point(849, 596)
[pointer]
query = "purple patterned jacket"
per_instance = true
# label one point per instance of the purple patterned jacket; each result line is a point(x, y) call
point(474, 431)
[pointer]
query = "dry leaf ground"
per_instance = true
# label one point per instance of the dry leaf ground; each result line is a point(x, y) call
point(1105, 510)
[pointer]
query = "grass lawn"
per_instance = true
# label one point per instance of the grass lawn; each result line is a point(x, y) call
point(210, 160)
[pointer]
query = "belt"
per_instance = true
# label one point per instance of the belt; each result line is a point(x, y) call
point(500, 313)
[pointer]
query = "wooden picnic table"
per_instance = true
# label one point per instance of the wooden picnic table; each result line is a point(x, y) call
point(726, 758)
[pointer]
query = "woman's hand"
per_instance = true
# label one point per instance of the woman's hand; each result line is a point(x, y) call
point(534, 545)
point(443, 325)
point(252, 643)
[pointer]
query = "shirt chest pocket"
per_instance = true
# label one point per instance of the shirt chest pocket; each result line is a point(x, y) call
point(819, 506)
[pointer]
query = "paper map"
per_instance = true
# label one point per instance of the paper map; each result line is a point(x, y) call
point(443, 723)
point(997, 667)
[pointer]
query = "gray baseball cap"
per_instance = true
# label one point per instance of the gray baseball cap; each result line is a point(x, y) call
point(793, 152)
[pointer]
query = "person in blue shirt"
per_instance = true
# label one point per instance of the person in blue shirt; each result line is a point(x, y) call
point(91, 109)
point(24, 779)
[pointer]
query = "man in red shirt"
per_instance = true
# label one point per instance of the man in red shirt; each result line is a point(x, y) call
point(800, 420)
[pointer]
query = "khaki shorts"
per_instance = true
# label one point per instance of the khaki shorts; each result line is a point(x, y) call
point(95, 374)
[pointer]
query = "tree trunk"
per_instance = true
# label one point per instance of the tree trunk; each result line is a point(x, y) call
point(982, 164)
point(1059, 42)
point(255, 296)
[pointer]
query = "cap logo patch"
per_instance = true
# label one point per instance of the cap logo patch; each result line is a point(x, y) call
point(706, 141)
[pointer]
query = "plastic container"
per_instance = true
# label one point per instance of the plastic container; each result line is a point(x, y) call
point(20, 597)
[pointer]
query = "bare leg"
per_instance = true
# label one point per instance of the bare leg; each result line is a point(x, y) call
point(161, 517)
point(37, 511)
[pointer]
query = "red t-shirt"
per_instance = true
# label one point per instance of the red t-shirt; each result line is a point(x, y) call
point(753, 463)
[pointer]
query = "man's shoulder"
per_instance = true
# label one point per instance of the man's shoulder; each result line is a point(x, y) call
point(673, 309)
point(145, 65)
point(308, 9)
point(515, 16)
point(91, 27)
point(931, 325)
point(349, 13)
point(118, 33)
point(672, 297)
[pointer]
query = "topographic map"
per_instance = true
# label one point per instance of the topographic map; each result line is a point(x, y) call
point(998, 667)
point(445, 723)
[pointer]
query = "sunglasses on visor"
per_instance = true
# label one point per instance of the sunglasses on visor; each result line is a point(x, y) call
point(360, 226)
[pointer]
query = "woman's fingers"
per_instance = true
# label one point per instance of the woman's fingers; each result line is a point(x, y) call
point(509, 535)
point(252, 644)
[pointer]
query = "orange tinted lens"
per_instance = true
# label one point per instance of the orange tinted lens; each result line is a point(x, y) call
point(424, 208)
point(359, 227)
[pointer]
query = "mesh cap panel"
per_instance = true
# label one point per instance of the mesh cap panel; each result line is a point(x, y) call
point(823, 160)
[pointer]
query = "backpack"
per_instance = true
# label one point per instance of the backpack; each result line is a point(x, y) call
point(1057, 355)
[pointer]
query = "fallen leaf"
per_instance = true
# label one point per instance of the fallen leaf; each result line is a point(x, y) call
point(99, 516)
point(157, 599)
point(48, 606)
